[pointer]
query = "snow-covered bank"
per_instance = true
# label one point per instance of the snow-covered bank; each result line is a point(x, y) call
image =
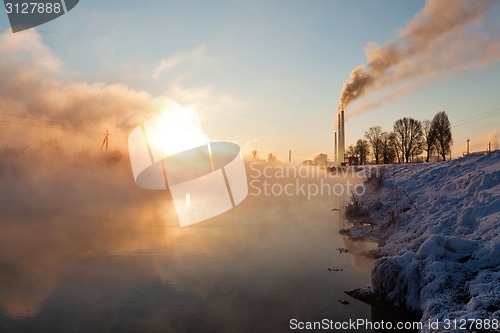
point(440, 228)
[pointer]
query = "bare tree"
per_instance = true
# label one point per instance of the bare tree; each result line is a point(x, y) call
point(442, 126)
point(429, 137)
point(387, 147)
point(254, 154)
point(362, 150)
point(374, 136)
point(271, 157)
point(350, 152)
point(408, 137)
point(395, 146)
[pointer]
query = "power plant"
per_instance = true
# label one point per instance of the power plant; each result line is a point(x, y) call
point(335, 157)
point(339, 145)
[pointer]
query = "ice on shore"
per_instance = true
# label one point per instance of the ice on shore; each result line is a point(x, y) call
point(441, 226)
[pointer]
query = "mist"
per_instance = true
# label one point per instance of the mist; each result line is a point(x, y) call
point(65, 214)
point(483, 142)
point(69, 214)
point(38, 101)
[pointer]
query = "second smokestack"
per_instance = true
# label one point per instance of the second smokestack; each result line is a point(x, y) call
point(341, 139)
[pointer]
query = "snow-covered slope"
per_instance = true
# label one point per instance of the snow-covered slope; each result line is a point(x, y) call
point(441, 227)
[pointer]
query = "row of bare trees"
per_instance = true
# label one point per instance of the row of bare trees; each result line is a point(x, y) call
point(409, 138)
point(270, 156)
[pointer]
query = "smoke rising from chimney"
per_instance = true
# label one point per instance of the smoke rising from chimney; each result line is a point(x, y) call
point(438, 41)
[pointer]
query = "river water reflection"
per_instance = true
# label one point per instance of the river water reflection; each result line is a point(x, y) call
point(117, 260)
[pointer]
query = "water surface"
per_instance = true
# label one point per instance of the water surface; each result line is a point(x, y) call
point(104, 255)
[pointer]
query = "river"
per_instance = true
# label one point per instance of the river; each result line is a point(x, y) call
point(118, 261)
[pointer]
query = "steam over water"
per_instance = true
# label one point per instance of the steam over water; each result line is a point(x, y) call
point(83, 249)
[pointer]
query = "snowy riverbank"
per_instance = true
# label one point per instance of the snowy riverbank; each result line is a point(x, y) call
point(439, 228)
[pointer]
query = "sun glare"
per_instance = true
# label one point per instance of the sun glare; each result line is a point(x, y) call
point(175, 130)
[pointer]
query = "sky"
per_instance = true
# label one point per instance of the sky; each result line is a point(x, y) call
point(264, 74)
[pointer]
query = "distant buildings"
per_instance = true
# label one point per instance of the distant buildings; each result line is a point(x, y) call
point(321, 160)
point(435, 158)
point(353, 160)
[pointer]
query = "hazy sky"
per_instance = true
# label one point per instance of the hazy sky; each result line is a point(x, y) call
point(267, 74)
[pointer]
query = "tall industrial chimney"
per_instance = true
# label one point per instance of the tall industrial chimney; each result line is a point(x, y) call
point(341, 140)
point(335, 157)
point(339, 136)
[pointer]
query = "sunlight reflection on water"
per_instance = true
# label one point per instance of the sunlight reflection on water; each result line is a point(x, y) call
point(119, 251)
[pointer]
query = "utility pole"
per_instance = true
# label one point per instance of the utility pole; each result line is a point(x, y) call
point(489, 147)
point(289, 156)
point(105, 141)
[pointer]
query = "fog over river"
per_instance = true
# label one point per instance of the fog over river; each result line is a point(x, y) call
point(83, 249)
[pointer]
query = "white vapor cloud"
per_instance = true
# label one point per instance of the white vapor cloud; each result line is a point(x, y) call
point(34, 91)
point(444, 39)
point(481, 143)
point(197, 55)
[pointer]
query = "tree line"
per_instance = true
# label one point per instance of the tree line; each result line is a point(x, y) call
point(409, 138)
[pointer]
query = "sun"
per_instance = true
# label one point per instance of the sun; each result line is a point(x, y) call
point(174, 130)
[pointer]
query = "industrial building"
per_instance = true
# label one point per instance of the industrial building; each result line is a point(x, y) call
point(339, 140)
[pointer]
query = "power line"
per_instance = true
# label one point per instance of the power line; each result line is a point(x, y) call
point(47, 126)
point(42, 123)
point(477, 117)
point(39, 120)
point(475, 128)
point(105, 142)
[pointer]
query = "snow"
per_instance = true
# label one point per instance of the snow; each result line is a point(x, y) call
point(439, 224)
